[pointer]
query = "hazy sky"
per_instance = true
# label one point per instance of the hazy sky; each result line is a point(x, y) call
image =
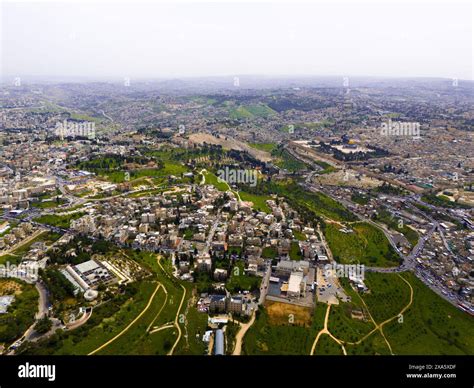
point(407, 38)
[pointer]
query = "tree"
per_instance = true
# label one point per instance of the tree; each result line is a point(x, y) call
point(43, 325)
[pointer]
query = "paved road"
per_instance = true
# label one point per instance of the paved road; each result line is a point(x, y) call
point(265, 283)
point(43, 301)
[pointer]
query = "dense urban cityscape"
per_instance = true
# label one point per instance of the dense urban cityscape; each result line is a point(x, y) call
point(195, 190)
point(237, 218)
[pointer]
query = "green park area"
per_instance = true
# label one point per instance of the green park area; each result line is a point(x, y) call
point(118, 169)
point(20, 314)
point(295, 251)
point(360, 243)
point(310, 205)
point(259, 201)
point(284, 160)
point(60, 221)
point(431, 325)
point(415, 320)
point(149, 317)
point(398, 315)
point(212, 179)
point(251, 111)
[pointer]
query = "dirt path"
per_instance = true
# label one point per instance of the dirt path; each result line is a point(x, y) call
point(176, 322)
point(130, 324)
point(159, 312)
point(161, 328)
point(325, 330)
point(375, 324)
point(380, 326)
point(244, 327)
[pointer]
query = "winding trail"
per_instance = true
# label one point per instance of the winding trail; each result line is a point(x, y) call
point(376, 327)
point(130, 324)
point(159, 312)
point(176, 320)
point(325, 330)
point(161, 328)
point(380, 325)
point(176, 323)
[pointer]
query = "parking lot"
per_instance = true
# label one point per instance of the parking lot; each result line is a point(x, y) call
point(328, 288)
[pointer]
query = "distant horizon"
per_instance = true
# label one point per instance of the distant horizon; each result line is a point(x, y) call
point(198, 40)
point(8, 79)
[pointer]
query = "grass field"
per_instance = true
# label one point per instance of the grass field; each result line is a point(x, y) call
point(49, 204)
point(269, 252)
point(299, 235)
point(259, 201)
point(365, 245)
point(373, 345)
point(443, 201)
point(59, 221)
point(343, 326)
point(97, 333)
point(194, 329)
point(328, 347)
point(168, 169)
point(268, 147)
point(137, 340)
point(145, 193)
point(12, 259)
point(113, 168)
point(388, 295)
point(326, 167)
point(211, 179)
point(431, 325)
point(280, 337)
point(295, 251)
point(251, 111)
point(316, 202)
point(285, 160)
